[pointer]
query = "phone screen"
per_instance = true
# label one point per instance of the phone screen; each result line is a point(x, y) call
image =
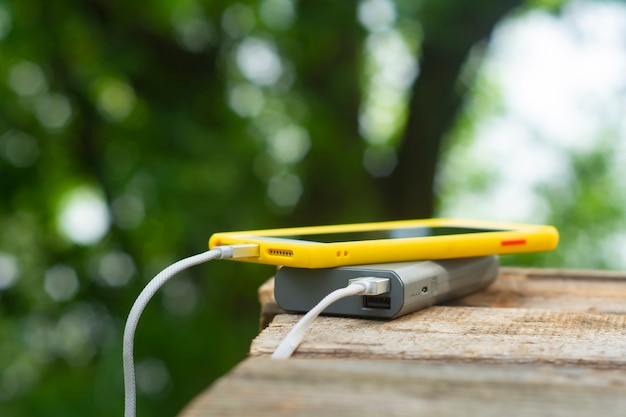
point(380, 234)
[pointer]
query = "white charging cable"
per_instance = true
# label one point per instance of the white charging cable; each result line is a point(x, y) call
point(218, 252)
point(364, 286)
point(356, 286)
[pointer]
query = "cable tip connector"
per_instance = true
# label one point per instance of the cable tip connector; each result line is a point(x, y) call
point(372, 285)
point(244, 250)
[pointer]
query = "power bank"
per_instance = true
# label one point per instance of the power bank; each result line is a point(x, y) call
point(413, 286)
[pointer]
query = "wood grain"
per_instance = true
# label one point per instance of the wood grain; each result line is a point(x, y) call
point(463, 334)
point(553, 289)
point(362, 388)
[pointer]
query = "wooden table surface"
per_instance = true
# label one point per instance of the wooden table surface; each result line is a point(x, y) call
point(537, 342)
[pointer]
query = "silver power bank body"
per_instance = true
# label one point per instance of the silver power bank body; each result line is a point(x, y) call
point(413, 286)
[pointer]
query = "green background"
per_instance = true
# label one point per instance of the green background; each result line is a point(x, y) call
point(147, 107)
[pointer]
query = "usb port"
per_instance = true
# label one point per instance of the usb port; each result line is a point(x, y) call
point(377, 301)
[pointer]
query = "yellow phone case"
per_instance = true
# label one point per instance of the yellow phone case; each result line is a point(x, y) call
point(289, 247)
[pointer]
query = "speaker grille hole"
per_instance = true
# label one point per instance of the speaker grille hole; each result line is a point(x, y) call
point(280, 252)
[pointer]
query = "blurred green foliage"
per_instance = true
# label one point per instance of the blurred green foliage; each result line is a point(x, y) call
point(127, 101)
point(180, 118)
point(171, 120)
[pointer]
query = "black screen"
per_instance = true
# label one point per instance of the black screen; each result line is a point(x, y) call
point(399, 233)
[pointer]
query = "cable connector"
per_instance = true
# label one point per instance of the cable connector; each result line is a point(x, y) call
point(372, 285)
point(243, 250)
point(356, 286)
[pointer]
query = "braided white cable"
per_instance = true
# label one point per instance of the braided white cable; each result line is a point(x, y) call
point(135, 312)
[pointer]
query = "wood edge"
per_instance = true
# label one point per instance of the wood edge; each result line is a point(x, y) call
point(557, 273)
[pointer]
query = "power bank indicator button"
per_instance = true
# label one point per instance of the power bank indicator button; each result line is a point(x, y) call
point(434, 285)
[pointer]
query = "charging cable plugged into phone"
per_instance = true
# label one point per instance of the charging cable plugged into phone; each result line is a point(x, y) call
point(386, 290)
point(221, 252)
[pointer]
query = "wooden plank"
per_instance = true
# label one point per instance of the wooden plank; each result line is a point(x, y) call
point(463, 334)
point(554, 273)
point(363, 388)
point(565, 290)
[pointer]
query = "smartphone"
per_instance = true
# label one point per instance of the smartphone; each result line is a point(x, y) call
point(412, 286)
point(394, 241)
